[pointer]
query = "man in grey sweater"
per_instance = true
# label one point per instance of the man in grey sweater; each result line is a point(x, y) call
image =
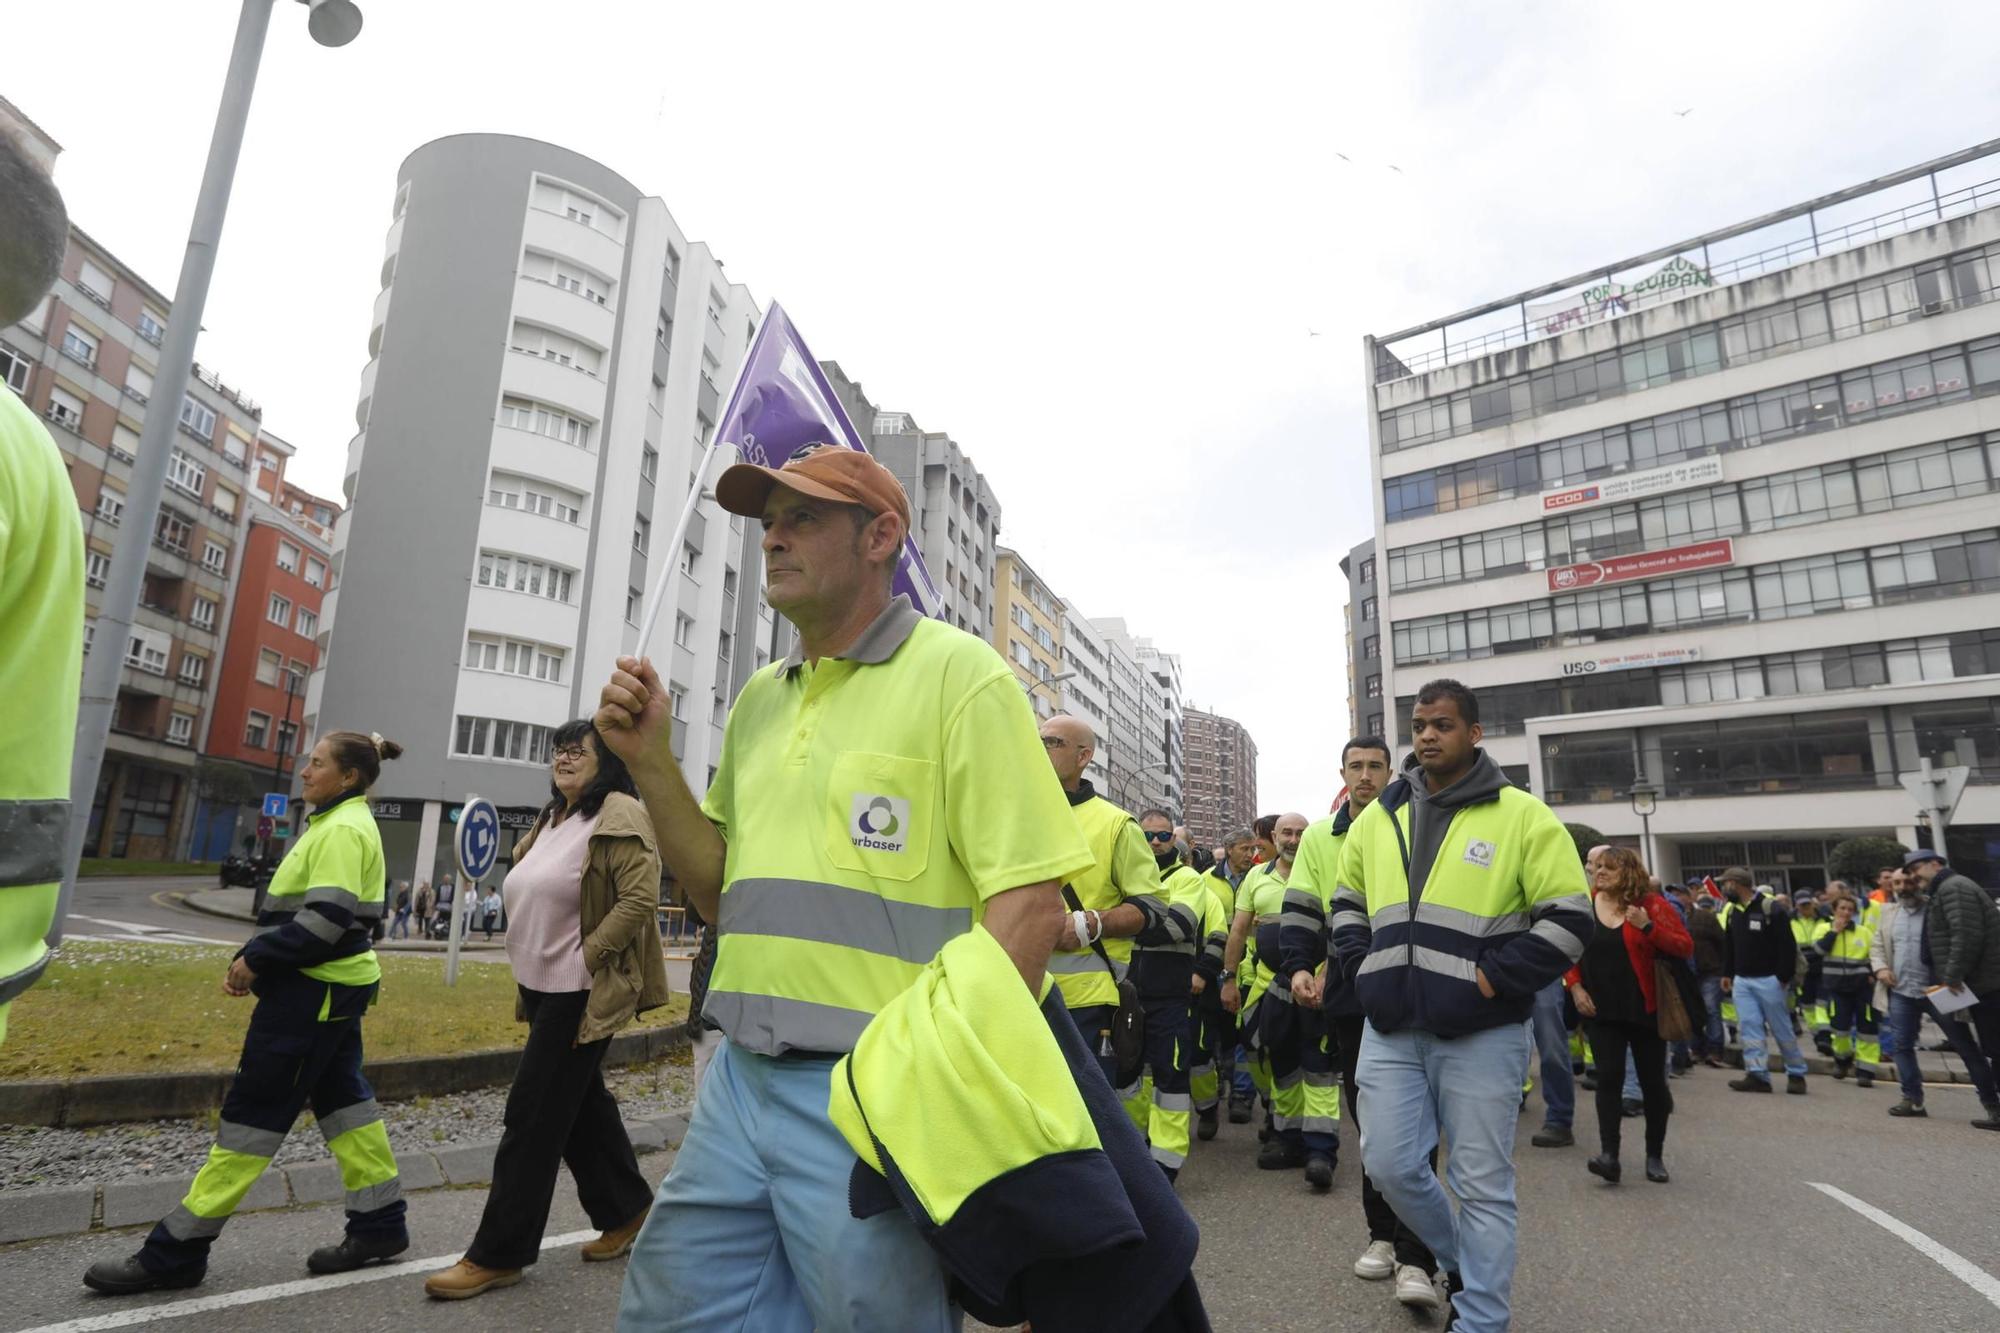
point(1960, 946)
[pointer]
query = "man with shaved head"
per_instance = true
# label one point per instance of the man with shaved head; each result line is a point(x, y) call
point(1109, 904)
point(1250, 968)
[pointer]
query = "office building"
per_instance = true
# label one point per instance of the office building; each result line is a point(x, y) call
point(1143, 752)
point(954, 514)
point(1221, 777)
point(1718, 523)
point(1365, 711)
point(546, 359)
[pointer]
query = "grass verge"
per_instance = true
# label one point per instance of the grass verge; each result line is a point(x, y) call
point(109, 1007)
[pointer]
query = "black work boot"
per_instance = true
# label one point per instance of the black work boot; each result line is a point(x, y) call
point(1239, 1110)
point(1278, 1155)
point(356, 1252)
point(1205, 1124)
point(128, 1277)
point(1319, 1172)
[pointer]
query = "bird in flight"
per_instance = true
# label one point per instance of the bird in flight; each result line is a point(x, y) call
point(1393, 167)
point(1312, 333)
point(1343, 157)
point(1684, 114)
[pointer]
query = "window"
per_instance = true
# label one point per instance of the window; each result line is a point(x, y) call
point(683, 629)
point(180, 729)
point(110, 504)
point(563, 350)
point(642, 533)
point(256, 730)
point(80, 346)
point(288, 557)
point(280, 610)
point(184, 474)
point(235, 450)
point(14, 369)
point(1368, 570)
point(518, 574)
point(65, 409)
point(553, 422)
point(1368, 611)
point(649, 462)
point(152, 325)
point(147, 650)
point(1371, 646)
point(95, 283)
point(496, 738)
point(307, 623)
point(138, 383)
point(632, 601)
point(662, 329)
point(288, 738)
point(1374, 687)
point(223, 501)
point(96, 568)
point(197, 420)
point(215, 557)
point(194, 667)
point(270, 663)
point(172, 532)
point(690, 557)
point(203, 614)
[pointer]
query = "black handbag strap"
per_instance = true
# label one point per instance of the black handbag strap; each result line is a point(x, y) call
point(1401, 845)
point(1097, 945)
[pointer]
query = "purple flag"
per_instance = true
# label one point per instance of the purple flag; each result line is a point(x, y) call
point(782, 402)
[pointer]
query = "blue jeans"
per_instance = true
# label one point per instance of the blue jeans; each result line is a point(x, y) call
point(1899, 1040)
point(1552, 1042)
point(751, 1228)
point(1760, 1003)
point(1711, 997)
point(1413, 1084)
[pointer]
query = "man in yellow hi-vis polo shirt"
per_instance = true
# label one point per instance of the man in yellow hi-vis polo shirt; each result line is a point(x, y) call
point(880, 792)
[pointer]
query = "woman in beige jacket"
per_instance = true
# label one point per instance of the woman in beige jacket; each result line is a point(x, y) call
point(584, 941)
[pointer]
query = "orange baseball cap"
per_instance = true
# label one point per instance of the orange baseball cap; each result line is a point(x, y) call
point(823, 471)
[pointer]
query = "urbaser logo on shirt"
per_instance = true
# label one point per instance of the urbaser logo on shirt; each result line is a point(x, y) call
point(879, 823)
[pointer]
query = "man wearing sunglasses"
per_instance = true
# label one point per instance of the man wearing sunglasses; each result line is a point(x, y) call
point(1109, 903)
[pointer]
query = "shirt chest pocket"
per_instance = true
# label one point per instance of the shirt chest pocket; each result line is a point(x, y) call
point(879, 813)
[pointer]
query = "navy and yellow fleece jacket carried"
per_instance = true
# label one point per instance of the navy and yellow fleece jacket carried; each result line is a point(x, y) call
point(988, 1121)
point(1436, 887)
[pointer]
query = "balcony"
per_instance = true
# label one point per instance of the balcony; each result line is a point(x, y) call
point(554, 234)
point(555, 384)
point(565, 311)
point(708, 401)
point(678, 738)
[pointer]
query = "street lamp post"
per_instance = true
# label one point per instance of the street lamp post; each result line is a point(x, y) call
point(332, 23)
point(1057, 679)
point(1645, 800)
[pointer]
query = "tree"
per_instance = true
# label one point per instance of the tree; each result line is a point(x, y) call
point(1586, 838)
point(224, 783)
point(1857, 859)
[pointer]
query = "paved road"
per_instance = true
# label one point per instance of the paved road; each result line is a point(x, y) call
point(123, 909)
point(1739, 1240)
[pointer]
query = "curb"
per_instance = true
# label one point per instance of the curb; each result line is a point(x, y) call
point(76, 1209)
point(109, 1098)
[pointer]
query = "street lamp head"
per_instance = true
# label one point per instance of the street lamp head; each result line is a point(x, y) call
point(333, 22)
point(1645, 798)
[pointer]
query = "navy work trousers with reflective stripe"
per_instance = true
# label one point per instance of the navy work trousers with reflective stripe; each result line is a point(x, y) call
point(291, 1056)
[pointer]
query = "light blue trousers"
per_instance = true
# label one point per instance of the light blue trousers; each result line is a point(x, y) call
point(1760, 1004)
point(1412, 1084)
point(751, 1228)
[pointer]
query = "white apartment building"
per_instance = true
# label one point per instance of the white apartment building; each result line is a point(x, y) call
point(547, 357)
point(1147, 759)
point(1086, 688)
point(1719, 520)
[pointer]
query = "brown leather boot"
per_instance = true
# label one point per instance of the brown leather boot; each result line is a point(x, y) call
point(465, 1279)
point(616, 1243)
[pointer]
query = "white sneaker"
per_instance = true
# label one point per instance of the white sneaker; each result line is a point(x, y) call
point(1378, 1261)
point(1415, 1289)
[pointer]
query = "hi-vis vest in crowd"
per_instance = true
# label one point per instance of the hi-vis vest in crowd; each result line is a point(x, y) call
point(871, 803)
point(320, 912)
point(1124, 871)
point(1846, 954)
point(41, 668)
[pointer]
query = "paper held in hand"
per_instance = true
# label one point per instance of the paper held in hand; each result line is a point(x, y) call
point(1948, 1001)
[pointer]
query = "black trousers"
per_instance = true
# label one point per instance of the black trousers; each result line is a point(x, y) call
point(1383, 1224)
point(558, 1112)
point(1610, 1040)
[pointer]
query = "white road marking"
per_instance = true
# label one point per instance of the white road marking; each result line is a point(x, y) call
point(228, 1300)
point(1960, 1267)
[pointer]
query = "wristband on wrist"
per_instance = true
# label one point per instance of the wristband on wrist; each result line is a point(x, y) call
point(1096, 926)
point(1077, 926)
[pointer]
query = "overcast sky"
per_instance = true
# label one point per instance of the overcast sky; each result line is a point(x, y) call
point(1089, 247)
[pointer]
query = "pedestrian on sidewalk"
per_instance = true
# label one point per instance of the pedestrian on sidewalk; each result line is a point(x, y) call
point(402, 921)
point(1614, 986)
point(315, 975)
point(1760, 959)
point(422, 905)
point(1962, 946)
point(586, 954)
point(441, 928)
point(489, 911)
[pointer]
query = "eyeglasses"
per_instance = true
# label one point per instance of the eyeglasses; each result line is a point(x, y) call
point(1164, 835)
point(570, 751)
point(1053, 742)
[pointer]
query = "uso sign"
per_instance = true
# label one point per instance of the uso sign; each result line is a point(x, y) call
point(1645, 565)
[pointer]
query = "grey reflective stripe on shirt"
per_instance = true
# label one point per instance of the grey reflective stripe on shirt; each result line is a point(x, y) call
point(1470, 923)
point(1561, 936)
point(1424, 960)
point(1073, 964)
point(803, 909)
point(318, 926)
point(772, 1025)
point(31, 841)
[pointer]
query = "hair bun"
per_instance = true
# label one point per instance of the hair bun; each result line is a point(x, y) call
point(386, 749)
